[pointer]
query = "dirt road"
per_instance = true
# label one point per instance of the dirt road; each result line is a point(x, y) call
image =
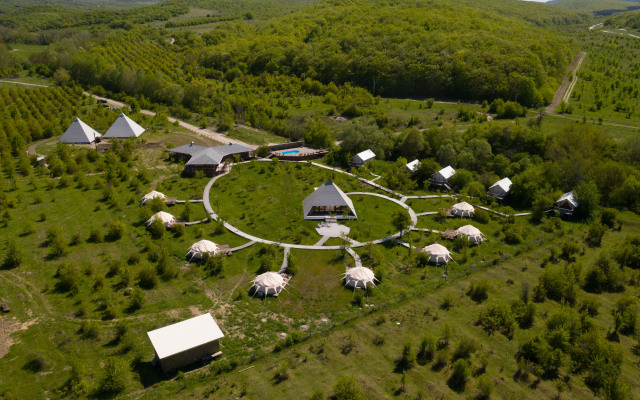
point(560, 93)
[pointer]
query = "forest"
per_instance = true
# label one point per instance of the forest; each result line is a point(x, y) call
point(546, 307)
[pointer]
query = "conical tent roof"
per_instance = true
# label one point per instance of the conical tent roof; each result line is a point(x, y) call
point(167, 219)
point(151, 195)
point(471, 232)
point(79, 132)
point(268, 283)
point(124, 127)
point(359, 277)
point(438, 254)
point(327, 195)
point(462, 209)
point(198, 249)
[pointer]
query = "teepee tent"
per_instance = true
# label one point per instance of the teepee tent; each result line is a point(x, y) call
point(359, 277)
point(124, 127)
point(328, 200)
point(471, 232)
point(462, 209)
point(268, 283)
point(167, 219)
point(79, 132)
point(152, 195)
point(438, 254)
point(199, 249)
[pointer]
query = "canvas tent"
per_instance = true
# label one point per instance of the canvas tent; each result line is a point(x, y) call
point(500, 189)
point(438, 254)
point(413, 166)
point(152, 195)
point(359, 278)
point(362, 158)
point(462, 209)
point(167, 219)
point(268, 283)
point(441, 178)
point(566, 204)
point(79, 132)
point(328, 200)
point(472, 233)
point(124, 127)
point(186, 342)
point(199, 249)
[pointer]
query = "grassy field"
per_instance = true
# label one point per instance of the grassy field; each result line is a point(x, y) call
point(252, 136)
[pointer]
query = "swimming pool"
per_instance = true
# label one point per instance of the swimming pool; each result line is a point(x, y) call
point(291, 152)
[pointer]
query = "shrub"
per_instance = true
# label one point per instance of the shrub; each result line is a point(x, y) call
point(96, 236)
point(481, 216)
point(466, 347)
point(136, 301)
point(608, 216)
point(427, 349)
point(479, 291)
point(114, 376)
point(157, 229)
point(524, 313)
point(223, 366)
point(178, 230)
point(485, 388)
point(115, 230)
point(447, 301)
point(68, 279)
point(76, 385)
point(408, 358)
point(498, 317)
point(215, 265)
point(603, 276)
point(461, 371)
point(292, 265)
point(590, 306)
point(595, 233)
point(89, 330)
point(559, 283)
point(347, 388)
point(625, 315)
point(13, 258)
point(400, 220)
point(282, 372)
point(147, 278)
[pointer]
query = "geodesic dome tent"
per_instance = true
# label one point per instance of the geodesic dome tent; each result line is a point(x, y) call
point(471, 232)
point(359, 278)
point(152, 195)
point(268, 283)
point(438, 254)
point(167, 219)
point(199, 249)
point(462, 209)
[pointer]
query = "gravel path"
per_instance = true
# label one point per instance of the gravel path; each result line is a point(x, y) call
point(560, 93)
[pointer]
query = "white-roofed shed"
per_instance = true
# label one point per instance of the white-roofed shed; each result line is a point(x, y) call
point(413, 166)
point(186, 342)
point(566, 204)
point(362, 158)
point(500, 189)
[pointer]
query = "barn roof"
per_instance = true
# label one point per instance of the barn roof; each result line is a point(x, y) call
point(184, 335)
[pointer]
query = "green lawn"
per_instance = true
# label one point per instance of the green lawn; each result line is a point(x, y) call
point(254, 137)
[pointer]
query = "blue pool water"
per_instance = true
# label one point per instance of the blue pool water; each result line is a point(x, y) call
point(291, 152)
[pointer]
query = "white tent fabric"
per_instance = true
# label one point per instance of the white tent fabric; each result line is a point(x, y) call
point(199, 249)
point(79, 132)
point(152, 195)
point(359, 277)
point(124, 127)
point(413, 166)
point(167, 219)
point(268, 283)
point(501, 188)
point(438, 254)
point(462, 209)
point(471, 232)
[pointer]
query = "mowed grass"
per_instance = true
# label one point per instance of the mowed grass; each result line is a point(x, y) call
point(265, 199)
point(252, 136)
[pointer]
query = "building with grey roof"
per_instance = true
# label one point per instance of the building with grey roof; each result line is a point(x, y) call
point(328, 201)
point(210, 160)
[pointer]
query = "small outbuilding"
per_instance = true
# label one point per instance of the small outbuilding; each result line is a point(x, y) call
point(268, 284)
point(359, 278)
point(152, 195)
point(462, 209)
point(362, 158)
point(441, 178)
point(438, 254)
point(199, 249)
point(566, 204)
point(79, 132)
point(500, 189)
point(167, 219)
point(413, 166)
point(186, 342)
point(472, 233)
point(123, 128)
point(328, 201)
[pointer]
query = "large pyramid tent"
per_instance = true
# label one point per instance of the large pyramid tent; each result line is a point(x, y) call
point(124, 127)
point(328, 200)
point(79, 132)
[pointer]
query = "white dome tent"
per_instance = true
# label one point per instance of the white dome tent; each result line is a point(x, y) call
point(268, 283)
point(359, 278)
point(438, 254)
point(167, 219)
point(199, 249)
point(472, 233)
point(152, 195)
point(462, 209)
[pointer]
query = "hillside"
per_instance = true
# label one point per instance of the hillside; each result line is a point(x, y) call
point(598, 7)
